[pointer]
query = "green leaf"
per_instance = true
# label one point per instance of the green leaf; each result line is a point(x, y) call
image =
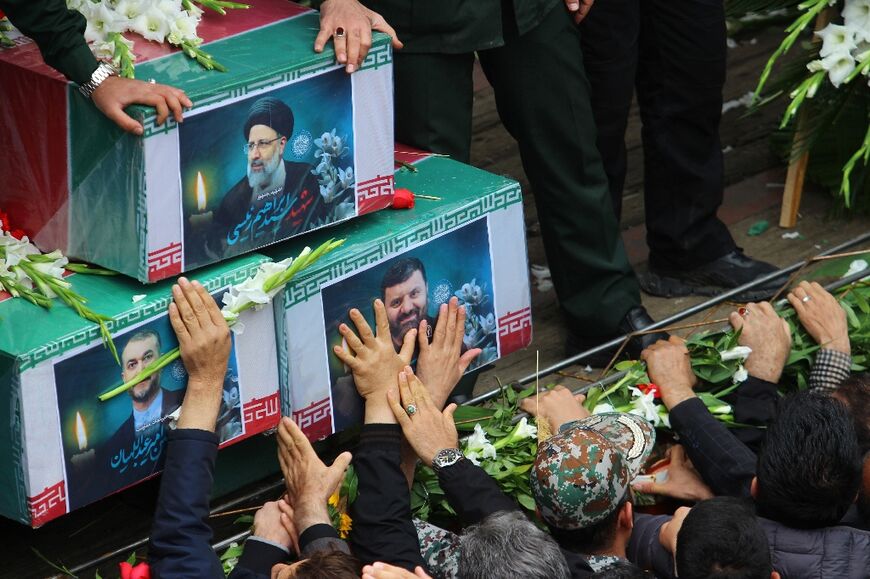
point(526, 501)
point(244, 520)
point(132, 558)
point(758, 228)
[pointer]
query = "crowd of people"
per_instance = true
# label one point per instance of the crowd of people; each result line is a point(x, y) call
point(787, 496)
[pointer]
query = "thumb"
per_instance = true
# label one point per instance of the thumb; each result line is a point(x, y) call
point(407, 351)
point(468, 357)
point(650, 488)
point(341, 462)
point(448, 412)
point(736, 320)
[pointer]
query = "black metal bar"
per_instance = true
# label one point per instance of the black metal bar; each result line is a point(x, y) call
point(616, 342)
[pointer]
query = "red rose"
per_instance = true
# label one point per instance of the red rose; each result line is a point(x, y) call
point(403, 199)
point(140, 571)
point(647, 388)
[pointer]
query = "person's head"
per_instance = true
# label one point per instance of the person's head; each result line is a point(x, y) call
point(329, 564)
point(721, 538)
point(141, 349)
point(506, 544)
point(269, 124)
point(405, 293)
point(809, 468)
point(580, 481)
point(854, 392)
point(622, 570)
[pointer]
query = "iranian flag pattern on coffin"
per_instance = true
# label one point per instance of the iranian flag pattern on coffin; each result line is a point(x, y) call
point(216, 185)
point(61, 448)
point(469, 243)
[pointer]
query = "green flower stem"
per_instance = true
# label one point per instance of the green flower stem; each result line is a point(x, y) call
point(862, 152)
point(88, 269)
point(218, 6)
point(122, 55)
point(150, 369)
point(203, 58)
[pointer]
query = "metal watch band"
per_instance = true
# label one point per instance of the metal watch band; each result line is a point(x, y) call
point(102, 72)
point(446, 457)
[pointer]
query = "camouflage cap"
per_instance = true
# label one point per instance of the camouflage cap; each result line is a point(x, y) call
point(583, 473)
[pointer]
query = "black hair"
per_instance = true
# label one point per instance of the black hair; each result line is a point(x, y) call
point(721, 538)
point(592, 538)
point(400, 272)
point(809, 468)
point(144, 335)
point(854, 392)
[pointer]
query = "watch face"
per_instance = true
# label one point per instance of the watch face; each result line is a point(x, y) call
point(447, 457)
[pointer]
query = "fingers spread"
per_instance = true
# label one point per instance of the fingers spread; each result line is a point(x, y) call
point(362, 326)
point(352, 340)
point(177, 323)
point(407, 351)
point(381, 322)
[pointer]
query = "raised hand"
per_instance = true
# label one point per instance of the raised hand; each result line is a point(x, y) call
point(442, 363)
point(308, 480)
point(427, 429)
point(204, 342)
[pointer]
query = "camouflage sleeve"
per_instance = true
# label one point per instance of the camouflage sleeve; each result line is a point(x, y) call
point(440, 550)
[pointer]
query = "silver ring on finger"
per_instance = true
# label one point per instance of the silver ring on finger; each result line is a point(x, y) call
point(411, 409)
point(805, 299)
point(339, 32)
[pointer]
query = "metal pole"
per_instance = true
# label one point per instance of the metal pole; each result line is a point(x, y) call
point(616, 342)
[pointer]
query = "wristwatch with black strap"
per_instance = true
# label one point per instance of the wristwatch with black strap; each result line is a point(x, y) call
point(446, 457)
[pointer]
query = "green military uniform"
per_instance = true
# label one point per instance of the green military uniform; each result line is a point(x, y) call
point(58, 32)
point(528, 50)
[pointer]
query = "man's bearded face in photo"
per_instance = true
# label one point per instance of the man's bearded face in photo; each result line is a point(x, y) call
point(263, 159)
point(407, 305)
point(136, 355)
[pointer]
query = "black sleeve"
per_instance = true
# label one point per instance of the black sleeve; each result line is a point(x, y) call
point(321, 537)
point(59, 33)
point(753, 403)
point(381, 514)
point(180, 543)
point(644, 548)
point(472, 493)
point(257, 560)
point(725, 463)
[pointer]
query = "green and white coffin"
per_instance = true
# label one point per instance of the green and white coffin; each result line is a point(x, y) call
point(471, 243)
point(61, 448)
point(180, 196)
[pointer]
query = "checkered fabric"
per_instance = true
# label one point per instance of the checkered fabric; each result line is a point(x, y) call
point(829, 370)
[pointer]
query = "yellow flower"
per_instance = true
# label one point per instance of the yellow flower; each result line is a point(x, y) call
point(333, 500)
point(345, 526)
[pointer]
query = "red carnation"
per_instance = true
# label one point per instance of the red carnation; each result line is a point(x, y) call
point(647, 388)
point(403, 199)
point(140, 571)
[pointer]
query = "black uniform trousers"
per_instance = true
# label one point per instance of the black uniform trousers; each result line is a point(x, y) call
point(673, 53)
point(542, 98)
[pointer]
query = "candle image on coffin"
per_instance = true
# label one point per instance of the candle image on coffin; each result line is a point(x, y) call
point(85, 457)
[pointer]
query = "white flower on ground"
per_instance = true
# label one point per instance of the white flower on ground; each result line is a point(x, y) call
point(54, 268)
point(736, 353)
point(856, 16)
point(16, 249)
point(644, 405)
point(740, 375)
point(836, 39)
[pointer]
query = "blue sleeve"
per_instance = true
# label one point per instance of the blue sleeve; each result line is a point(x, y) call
point(180, 543)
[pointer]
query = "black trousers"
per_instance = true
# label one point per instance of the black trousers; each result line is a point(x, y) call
point(672, 52)
point(542, 98)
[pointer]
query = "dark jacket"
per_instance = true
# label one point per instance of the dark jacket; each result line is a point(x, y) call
point(458, 26)
point(841, 552)
point(382, 525)
point(474, 495)
point(58, 32)
point(180, 544)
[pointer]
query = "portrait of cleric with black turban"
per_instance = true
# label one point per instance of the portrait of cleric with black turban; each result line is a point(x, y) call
point(276, 198)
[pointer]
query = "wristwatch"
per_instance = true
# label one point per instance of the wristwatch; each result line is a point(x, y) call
point(103, 71)
point(446, 457)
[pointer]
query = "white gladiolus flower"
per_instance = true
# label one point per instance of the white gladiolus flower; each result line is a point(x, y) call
point(526, 430)
point(181, 28)
point(740, 375)
point(152, 25)
point(129, 9)
point(836, 39)
point(839, 65)
point(856, 16)
point(478, 439)
point(644, 405)
point(16, 249)
point(53, 268)
point(252, 291)
point(736, 353)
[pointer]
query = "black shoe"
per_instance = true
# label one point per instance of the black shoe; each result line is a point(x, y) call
point(713, 278)
point(636, 319)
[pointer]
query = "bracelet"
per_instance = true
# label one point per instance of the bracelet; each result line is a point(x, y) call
point(102, 72)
